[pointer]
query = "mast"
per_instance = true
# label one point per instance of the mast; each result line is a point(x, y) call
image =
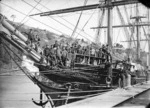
point(137, 20)
point(148, 60)
point(109, 20)
point(148, 57)
point(109, 30)
point(138, 37)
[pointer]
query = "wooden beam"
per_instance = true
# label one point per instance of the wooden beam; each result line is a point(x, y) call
point(136, 40)
point(88, 7)
point(118, 26)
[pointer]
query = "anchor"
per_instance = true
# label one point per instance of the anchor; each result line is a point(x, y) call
point(41, 103)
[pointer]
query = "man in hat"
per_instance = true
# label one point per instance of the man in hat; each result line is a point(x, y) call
point(46, 52)
point(31, 36)
point(64, 56)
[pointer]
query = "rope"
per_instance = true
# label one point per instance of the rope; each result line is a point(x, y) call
point(62, 18)
point(98, 37)
point(90, 91)
point(79, 97)
point(23, 52)
point(123, 21)
point(126, 13)
point(12, 51)
point(54, 19)
point(145, 35)
point(49, 16)
point(32, 18)
point(51, 101)
point(26, 73)
point(46, 73)
point(26, 17)
point(72, 92)
point(118, 35)
point(17, 55)
point(78, 20)
point(88, 19)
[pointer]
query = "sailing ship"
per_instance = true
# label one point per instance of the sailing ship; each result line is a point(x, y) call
point(58, 83)
point(62, 86)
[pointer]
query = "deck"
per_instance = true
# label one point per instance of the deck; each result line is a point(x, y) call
point(116, 98)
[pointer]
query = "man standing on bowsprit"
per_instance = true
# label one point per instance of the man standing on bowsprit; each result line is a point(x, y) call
point(31, 36)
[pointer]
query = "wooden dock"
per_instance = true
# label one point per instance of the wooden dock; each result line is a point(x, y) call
point(113, 98)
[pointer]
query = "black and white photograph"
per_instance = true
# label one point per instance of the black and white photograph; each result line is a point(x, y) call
point(74, 54)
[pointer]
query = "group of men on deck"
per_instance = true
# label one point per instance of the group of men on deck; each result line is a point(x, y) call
point(63, 55)
point(68, 55)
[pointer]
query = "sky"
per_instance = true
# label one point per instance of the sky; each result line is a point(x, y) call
point(65, 23)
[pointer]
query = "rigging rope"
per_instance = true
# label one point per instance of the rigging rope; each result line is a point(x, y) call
point(128, 20)
point(126, 13)
point(128, 36)
point(118, 35)
point(27, 15)
point(56, 20)
point(145, 35)
point(72, 92)
point(88, 19)
point(62, 18)
point(85, 2)
point(30, 76)
point(148, 11)
point(123, 22)
point(78, 97)
point(99, 25)
point(32, 18)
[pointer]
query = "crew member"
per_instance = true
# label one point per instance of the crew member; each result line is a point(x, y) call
point(99, 55)
point(58, 56)
point(46, 52)
point(31, 36)
point(64, 56)
point(121, 77)
point(146, 73)
point(52, 56)
point(73, 56)
point(103, 54)
point(56, 44)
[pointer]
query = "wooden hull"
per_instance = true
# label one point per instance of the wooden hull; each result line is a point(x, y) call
point(59, 92)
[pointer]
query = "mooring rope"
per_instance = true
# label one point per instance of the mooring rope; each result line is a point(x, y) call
point(71, 92)
point(78, 97)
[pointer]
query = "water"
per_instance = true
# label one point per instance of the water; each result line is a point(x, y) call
point(17, 92)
